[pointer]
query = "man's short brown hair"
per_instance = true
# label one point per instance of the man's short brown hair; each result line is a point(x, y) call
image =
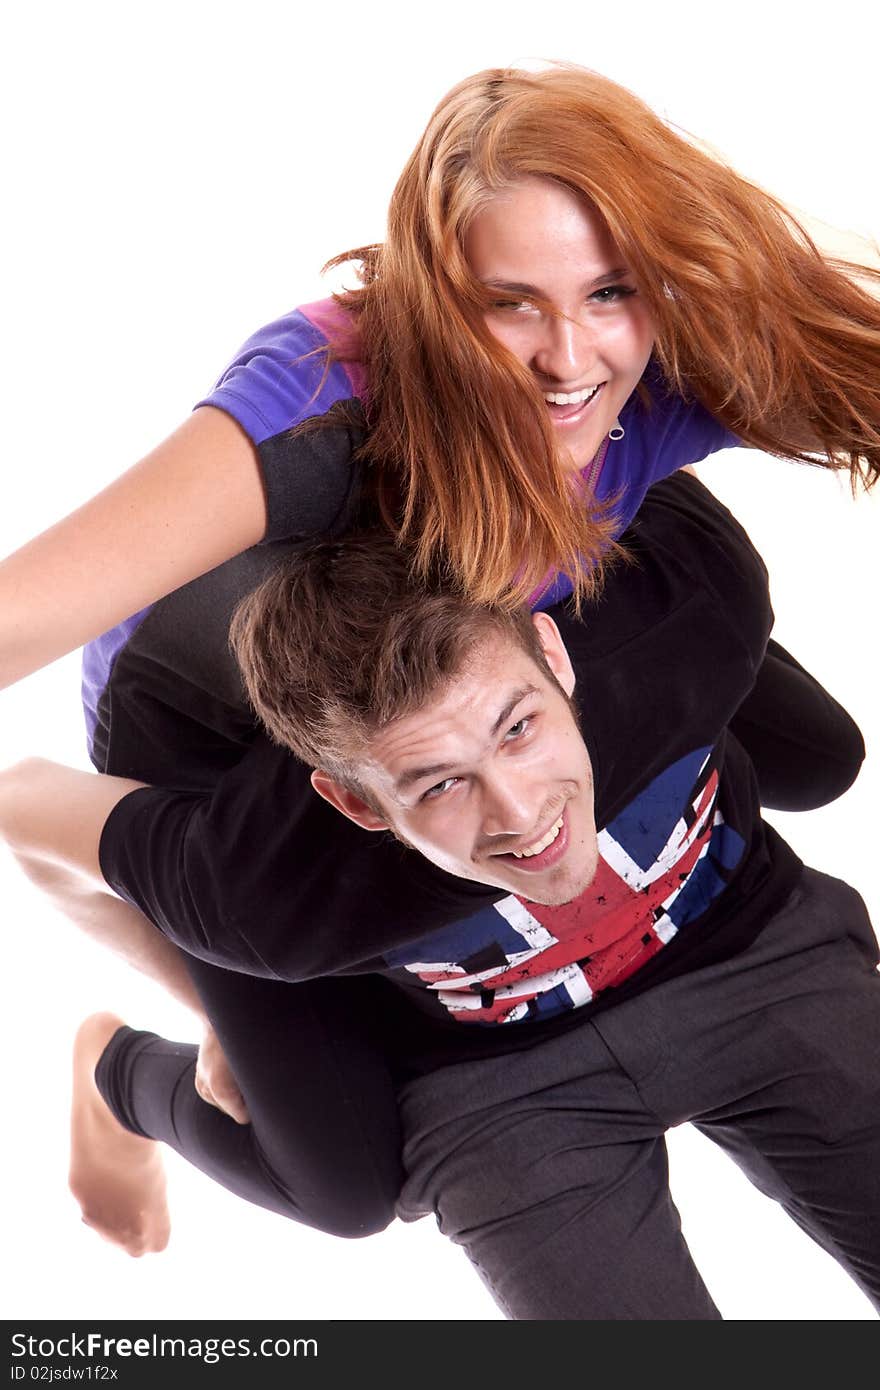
point(341, 640)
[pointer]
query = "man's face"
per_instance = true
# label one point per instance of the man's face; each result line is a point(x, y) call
point(491, 780)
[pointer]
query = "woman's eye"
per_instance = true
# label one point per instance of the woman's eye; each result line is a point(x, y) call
point(610, 294)
point(510, 305)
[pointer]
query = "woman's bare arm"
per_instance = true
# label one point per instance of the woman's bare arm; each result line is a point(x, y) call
point(192, 503)
point(51, 818)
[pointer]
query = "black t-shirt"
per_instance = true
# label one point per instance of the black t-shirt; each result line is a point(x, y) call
point(261, 875)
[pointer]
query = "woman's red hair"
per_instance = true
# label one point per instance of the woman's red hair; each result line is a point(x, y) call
point(776, 341)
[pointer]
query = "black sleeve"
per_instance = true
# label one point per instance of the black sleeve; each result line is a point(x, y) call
point(311, 474)
point(262, 875)
point(805, 748)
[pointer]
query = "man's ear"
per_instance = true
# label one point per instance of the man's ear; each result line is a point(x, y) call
point(554, 650)
point(347, 801)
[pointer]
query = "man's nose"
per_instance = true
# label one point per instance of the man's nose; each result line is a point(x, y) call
point(510, 807)
point(566, 350)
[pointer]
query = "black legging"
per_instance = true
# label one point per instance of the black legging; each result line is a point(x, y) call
point(805, 748)
point(323, 1146)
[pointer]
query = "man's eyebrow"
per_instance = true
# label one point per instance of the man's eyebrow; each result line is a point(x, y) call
point(417, 774)
point(521, 694)
point(514, 286)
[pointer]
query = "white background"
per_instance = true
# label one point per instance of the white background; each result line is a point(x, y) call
point(176, 176)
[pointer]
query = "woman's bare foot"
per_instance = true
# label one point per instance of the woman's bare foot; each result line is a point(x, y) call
point(117, 1177)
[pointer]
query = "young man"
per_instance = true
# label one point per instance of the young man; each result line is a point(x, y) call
point(652, 952)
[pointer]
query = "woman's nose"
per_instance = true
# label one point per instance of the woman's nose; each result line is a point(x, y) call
point(566, 351)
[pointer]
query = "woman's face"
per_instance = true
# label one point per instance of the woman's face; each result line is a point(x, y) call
point(538, 239)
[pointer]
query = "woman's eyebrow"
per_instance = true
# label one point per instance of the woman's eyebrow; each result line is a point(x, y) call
point(515, 287)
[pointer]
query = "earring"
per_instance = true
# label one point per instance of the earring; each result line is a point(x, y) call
point(617, 431)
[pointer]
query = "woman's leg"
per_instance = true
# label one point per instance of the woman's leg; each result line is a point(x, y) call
point(322, 1146)
point(805, 748)
point(323, 1143)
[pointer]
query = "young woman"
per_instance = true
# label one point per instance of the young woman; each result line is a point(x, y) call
point(571, 303)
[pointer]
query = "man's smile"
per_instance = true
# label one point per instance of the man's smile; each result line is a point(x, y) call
point(543, 853)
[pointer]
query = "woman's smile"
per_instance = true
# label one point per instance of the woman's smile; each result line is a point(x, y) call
point(568, 307)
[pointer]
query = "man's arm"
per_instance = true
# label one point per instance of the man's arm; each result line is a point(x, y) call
point(262, 875)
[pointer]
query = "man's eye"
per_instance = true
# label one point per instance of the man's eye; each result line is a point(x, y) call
point(518, 729)
point(433, 792)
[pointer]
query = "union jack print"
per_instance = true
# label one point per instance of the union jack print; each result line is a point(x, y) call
point(662, 862)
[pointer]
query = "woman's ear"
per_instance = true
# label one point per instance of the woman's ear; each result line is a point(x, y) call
point(347, 802)
point(555, 652)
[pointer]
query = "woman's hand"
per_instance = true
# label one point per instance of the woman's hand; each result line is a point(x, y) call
point(215, 1082)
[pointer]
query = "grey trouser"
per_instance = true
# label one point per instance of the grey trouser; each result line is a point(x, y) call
point(549, 1165)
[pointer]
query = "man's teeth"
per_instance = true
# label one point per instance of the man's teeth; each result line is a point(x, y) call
point(570, 397)
point(540, 845)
